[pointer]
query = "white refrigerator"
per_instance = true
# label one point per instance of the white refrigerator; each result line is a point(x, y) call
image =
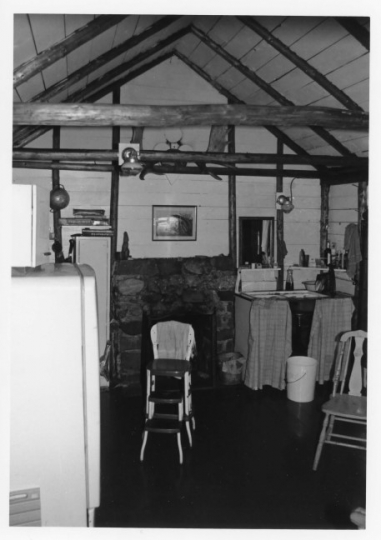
point(55, 396)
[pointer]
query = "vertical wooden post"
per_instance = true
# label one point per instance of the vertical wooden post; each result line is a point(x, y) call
point(56, 183)
point(114, 197)
point(324, 216)
point(279, 222)
point(232, 202)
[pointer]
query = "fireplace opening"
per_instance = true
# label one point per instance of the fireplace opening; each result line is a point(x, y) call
point(203, 364)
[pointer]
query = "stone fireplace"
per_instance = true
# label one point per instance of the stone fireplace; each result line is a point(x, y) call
point(198, 290)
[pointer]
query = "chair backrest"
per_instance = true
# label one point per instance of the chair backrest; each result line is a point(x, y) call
point(173, 339)
point(350, 375)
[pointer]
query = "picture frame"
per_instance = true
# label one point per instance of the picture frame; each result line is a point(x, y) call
point(174, 223)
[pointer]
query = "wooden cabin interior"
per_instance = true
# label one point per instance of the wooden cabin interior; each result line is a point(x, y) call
point(199, 157)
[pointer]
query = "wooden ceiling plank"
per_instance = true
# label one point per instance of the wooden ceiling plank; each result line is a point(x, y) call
point(356, 30)
point(111, 115)
point(104, 59)
point(59, 50)
point(300, 63)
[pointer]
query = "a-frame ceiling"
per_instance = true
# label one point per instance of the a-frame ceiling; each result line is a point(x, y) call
point(257, 61)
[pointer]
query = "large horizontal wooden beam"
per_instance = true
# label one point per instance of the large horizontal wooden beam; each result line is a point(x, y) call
point(154, 156)
point(60, 114)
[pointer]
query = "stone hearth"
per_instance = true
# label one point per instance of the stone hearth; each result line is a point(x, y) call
point(145, 289)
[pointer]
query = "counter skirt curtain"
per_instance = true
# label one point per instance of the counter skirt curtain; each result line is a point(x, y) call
point(332, 317)
point(270, 343)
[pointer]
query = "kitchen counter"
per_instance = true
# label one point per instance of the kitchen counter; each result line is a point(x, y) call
point(302, 305)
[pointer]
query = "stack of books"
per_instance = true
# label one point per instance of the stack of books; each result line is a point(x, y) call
point(94, 221)
point(90, 217)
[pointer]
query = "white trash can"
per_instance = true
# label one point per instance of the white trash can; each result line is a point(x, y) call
point(301, 378)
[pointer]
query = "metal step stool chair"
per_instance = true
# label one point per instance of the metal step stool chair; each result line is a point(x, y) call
point(173, 346)
point(347, 402)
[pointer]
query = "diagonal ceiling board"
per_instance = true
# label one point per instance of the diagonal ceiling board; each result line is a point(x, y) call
point(301, 63)
point(59, 50)
point(258, 81)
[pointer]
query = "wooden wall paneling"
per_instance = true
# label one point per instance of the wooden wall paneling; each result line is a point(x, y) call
point(324, 220)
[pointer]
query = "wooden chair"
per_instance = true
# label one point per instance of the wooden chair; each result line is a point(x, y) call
point(173, 345)
point(347, 402)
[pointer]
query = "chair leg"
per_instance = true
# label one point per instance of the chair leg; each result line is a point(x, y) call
point(187, 425)
point(180, 447)
point(321, 442)
point(330, 427)
point(145, 437)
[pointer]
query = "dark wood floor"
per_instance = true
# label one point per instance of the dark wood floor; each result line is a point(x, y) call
point(250, 466)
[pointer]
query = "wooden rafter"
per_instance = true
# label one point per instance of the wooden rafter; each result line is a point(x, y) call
point(102, 85)
point(356, 30)
point(266, 87)
point(155, 156)
point(26, 135)
point(337, 178)
point(85, 114)
point(275, 131)
point(105, 58)
point(302, 64)
point(50, 55)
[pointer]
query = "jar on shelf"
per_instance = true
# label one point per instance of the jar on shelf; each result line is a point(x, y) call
point(289, 280)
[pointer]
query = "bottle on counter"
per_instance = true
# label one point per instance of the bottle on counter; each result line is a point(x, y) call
point(328, 254)
point(289, 280)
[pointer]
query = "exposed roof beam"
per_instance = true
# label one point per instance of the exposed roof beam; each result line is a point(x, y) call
point(276, 132)
point(50, 55)
point(302, 64)
point(258, 81)
point(356, 30)
point(23, 136)
point(103, 59)
point(65, 114)
point(154, 156)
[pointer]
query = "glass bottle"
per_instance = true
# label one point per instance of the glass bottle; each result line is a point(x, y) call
point(289, 280)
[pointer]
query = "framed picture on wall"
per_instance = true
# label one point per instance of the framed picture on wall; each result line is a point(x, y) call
point(174, 223)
